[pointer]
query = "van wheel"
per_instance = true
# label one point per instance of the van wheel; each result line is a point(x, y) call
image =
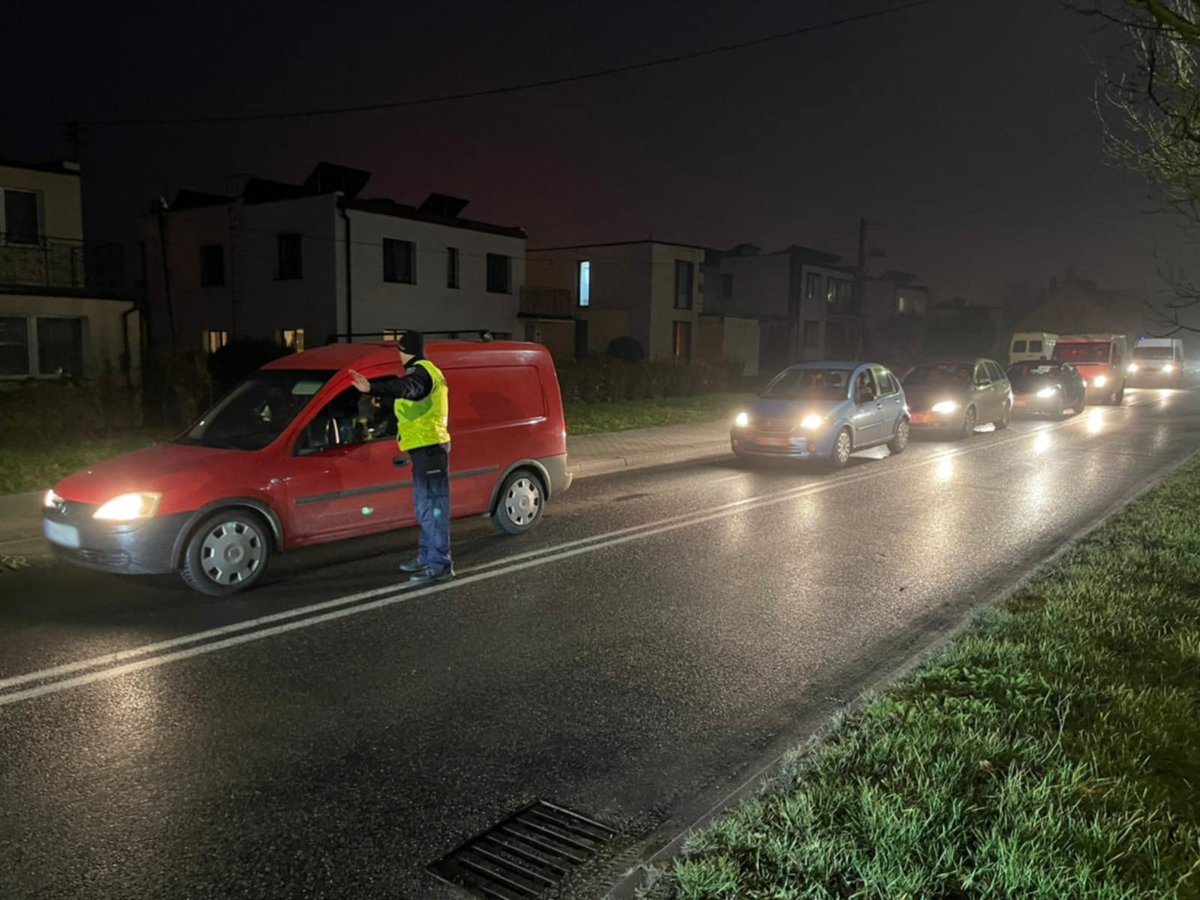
point(522, 499)
point(227, 553)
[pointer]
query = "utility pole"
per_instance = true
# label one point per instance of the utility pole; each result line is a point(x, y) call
point(74, 133)
point(161, 210)
point(859, 283)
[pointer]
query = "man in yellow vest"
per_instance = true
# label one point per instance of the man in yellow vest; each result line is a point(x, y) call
point(422, 404)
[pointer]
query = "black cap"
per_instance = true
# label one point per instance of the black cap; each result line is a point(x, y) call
point(412, 343)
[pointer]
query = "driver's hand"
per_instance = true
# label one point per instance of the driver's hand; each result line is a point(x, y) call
point(360, 381)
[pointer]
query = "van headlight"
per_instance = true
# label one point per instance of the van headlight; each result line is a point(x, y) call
point(51, 499)
point(742, 420)
point(1045, 393)
point(1100, 380)
point(1169, 368)
point(813, 422)
point(1133, 367)
point(945, 406)
point(127, 507)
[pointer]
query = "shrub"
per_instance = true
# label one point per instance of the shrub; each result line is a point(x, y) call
point(625, 349)
point(608, 381)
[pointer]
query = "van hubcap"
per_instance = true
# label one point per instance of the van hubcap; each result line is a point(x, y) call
point(231, 552)
point(523, 502)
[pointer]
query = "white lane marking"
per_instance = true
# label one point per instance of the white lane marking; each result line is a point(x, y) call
point(398, 593)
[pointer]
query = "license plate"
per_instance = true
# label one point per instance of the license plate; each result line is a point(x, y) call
point(774, 441)
point(921, 418)
point(63, 535)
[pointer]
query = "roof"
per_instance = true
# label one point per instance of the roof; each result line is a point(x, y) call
point(383, 207)
point(187, 199)
point(618, 244)
point(56, 166)
point(339, 356)
point(1087, 338)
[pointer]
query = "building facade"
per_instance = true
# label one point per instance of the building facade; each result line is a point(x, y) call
point(310, 263)
point(649, 291)
point(63, 304)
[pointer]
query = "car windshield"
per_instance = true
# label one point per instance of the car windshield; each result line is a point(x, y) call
point(1152, 353)
point(940, 375)
point(1081, 352)
point(1032, 375)
point(809, 384)
point(258, 410)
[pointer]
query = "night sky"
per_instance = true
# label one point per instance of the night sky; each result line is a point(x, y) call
point(966, 129)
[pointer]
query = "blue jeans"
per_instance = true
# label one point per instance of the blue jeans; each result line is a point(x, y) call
point(431, 499)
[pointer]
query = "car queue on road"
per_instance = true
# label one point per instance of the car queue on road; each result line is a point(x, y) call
point(830, 410)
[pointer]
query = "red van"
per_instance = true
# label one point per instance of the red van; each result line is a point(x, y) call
point(295, 456)
point(1102, 360)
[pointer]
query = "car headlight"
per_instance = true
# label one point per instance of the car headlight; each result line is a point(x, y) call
point(51, 499)
point(1047, 392)
point(742, 420)
point(813, 422)
point(945, 406)
point(127, 507)
point(1168, 368)
point(1133, 367)
point(1100, 380)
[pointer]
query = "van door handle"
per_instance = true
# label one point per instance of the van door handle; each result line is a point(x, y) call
point(400, 461)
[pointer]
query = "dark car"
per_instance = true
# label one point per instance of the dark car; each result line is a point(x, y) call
point(1047, 387)
point(958, 394)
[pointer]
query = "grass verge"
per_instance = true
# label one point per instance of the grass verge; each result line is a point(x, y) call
point(1052, 751)
point(624, 415)
point(38, 467)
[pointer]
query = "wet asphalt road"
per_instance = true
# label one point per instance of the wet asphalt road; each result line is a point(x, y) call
point(660, 635)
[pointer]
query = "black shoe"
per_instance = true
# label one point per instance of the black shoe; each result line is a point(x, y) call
point(413, 565)
point(429, 576)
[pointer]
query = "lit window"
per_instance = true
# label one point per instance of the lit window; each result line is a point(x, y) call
point(585, 283)
point(293, 338)
point(212, 341)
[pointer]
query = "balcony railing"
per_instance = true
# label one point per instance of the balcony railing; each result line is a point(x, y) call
point(63, 264)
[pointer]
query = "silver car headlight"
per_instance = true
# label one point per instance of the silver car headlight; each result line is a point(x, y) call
point(945, 406)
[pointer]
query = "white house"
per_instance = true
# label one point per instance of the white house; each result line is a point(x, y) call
point(63, 309)
point(310, 263)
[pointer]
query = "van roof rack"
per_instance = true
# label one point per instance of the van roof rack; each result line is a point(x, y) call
point(482, 334)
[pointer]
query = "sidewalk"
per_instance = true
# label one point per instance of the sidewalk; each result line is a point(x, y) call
point(587, 455)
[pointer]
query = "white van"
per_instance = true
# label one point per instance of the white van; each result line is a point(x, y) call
point(1031, 345)
point(1157, 361)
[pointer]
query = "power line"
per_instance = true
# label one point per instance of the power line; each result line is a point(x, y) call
point(514, 88)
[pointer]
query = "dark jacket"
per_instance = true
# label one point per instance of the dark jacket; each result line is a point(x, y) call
point(415, 384)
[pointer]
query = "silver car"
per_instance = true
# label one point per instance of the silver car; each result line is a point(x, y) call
point(824, 410)
point(957, 394)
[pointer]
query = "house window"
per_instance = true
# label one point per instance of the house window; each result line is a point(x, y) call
point(839, 292)
point(399, 261)
point(499, 274)
point(585, 283)
point(14, 346)
point(212, 341)
point(289, 257)
point(212, 265)
point(20, 224)
point(451, 267)
point(726, 287)
point(683, 341)
point(812, 333)
point(812, 285)
point(684, 272)
point(292, 338)
point(60, 346)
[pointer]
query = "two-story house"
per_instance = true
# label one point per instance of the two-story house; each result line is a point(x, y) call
point(802, 298)
point(308, 263)
point(579, 299)
point(62, 309)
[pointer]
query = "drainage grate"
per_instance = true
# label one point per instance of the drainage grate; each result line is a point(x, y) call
point(526, 854)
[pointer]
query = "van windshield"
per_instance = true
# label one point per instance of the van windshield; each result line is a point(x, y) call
point(809, 384)
point(1082, 352)
point(257, 411)
point(1153, 353)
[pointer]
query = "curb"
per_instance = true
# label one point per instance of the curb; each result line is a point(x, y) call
point(650, 459)
point(670, 836)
